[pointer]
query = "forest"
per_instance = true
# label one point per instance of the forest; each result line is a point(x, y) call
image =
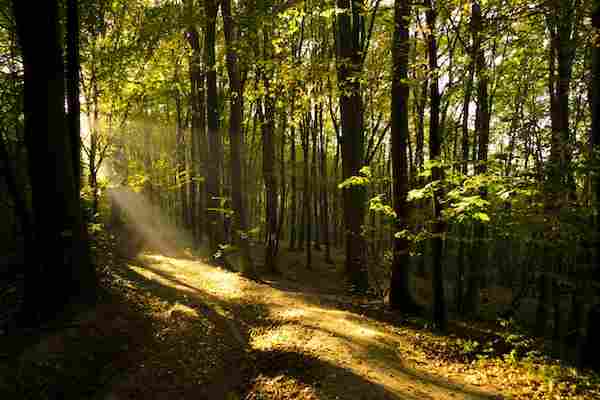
point(300, 199)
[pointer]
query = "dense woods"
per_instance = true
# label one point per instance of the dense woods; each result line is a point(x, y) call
point(443, 155)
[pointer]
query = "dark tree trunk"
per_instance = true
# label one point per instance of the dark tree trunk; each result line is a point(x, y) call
point(583, 334)
point(180, 150)
point(400, 294)
point(214, 161)
point(595, 131)
point(420, 139)
point(324, 190)
point(74, 107)
point(268, 153)
point(306, 192)
point(465, 115)
point(440, 313)
point(314, 180)
point(240, 225)
point(65, 270)
point(198, 133)
point(282, 173)
point(349, 65)
point(293, 188)
point(562, 25)
point(482, 131)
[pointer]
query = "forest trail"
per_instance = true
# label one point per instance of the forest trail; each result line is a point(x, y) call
point(285, 343)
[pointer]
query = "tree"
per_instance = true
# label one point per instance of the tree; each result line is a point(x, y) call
point(562, 24)
point(440, 313)
point(235, 130)
point(267, 114)
point(198, 126)
point(349, 57)
point(400, 294)
point(65, 269)
point(215, 146)
point(73, 67)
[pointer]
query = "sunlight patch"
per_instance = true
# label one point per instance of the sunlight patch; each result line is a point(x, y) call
point(280, 387)
point(282, 336)
point(180, 310)
point(292, 313)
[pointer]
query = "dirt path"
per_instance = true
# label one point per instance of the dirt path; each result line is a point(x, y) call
point(297, 345)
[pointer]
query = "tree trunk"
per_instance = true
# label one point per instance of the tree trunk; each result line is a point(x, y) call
point(400, 293)
point(65, 270)
point(293, 188)
point(562, 25)
point(314, 180)
point(182, 173)
point(440, 313)
point(240, 227)
point(482, 130)
point(73, 104)
point(268, 159)
point(349, 66)
point(198, 133)
point(306, 192)
point(582, 331)
point(213, 177)
point(324, 189)
point(282, 173)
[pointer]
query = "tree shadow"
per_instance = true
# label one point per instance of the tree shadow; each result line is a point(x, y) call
point(329, 378)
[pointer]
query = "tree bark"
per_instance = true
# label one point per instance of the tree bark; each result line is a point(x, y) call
point(440, 312)
point(306, 192)
point(293, 188)
point(349, 65)
point(268, 153)
point(400, 293)
point(65, 270)
point(240, 225)
point(324, 190)
point(562, 25)
point(198, 133)
point(73, 104)
point(213, 178)
point(482, 130)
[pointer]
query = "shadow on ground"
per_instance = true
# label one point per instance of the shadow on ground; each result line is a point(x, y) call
point(287, 335)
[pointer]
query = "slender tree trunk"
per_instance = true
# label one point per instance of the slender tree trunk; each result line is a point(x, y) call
point(240, 226)
point(268, 153)
point(482, 130)
point(198, 132)
point(562, 25)
point(324, 189)
point(293, 188)
point(465, 115)
point(314, 180)
point(349, 66)
point(73, 104)
point(182, 173)
point(595, 131)
point(282, 173)
point(585, 300)
point(400, 294)
point(306, 192)
point(267, 127)
point(213, 178)
point(440, 313)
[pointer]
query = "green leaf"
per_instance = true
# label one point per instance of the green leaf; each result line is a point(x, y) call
point(481, 216)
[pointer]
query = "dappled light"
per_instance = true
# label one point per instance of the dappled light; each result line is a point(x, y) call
point(291, 322)
point(299, 200)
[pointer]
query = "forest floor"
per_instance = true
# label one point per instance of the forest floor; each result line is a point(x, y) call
point(174, 327)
